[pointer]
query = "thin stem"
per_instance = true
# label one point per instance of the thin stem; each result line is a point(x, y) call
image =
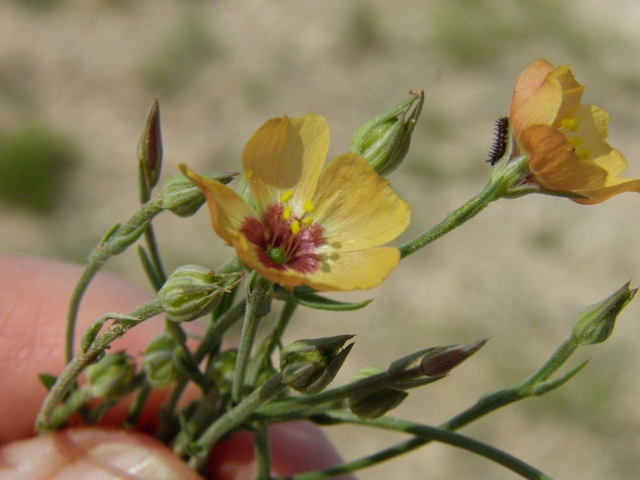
point(302, 406)
point(263, 451)
point(233, 419)
point(469, 210)
point(423, 434)
point(209, 345)
point(84, 358)
point(116, 241)
point(258, 300)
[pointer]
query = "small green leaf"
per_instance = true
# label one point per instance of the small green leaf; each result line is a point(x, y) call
point(322, 303)
point(47, 380)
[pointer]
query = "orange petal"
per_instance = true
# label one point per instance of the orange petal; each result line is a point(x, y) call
point(536, 100)
point(614, 186)
point(228, 209)
point(357, 207)
point(286, 154)
point(554, 162)
point(343, 271)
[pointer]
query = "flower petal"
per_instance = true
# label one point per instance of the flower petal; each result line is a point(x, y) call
point(613, 186)
point(343, 271)
point(536, 100)
point(286, 154)
point(356, 207)
point(228, 209)
point(571, 90)
point(555, 163)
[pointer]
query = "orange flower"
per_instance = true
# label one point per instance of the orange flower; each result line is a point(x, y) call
point(310, 225)
point(566, 141)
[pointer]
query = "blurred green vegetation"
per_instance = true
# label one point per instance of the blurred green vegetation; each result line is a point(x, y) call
point(188, 47)
point(35, 163)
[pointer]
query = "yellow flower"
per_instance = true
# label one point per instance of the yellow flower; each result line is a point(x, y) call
point(565, 140)
point(311, 225)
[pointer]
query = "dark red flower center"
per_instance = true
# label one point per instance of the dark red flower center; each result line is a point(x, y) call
point(285, 244)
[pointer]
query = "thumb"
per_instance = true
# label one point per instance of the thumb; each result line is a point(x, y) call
point(91, 454)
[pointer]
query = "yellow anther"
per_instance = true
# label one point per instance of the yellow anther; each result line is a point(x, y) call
point(295, 227)
point(576, 141)
point(308, 206)
point(583, 154)
point(248, 173)
point(306, 221)
point(288, 210)
point(286, 196)
point(570, 124)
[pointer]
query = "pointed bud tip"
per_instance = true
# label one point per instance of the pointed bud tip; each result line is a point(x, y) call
point(444, 359)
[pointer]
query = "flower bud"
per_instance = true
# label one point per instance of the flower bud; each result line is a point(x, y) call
point(111, 376)
point(183, 198)
point(308, 366)
point(193, 291)
point(374, 404)
point(384, 141)
point(441, 360)
point(158, 364)
point(596, 322)
point(150, 146)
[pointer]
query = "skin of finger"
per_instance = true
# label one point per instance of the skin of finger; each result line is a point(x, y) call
point(35, 299)
point(91, 453)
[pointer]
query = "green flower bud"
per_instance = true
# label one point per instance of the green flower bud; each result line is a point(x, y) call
point(596, 322)
point(111, 377)
point(384, 141)
point(441, 360)
point(193, 291)
point(158, 364)
point(308, 366)
point(374, 404)
point(150, 146)
point(183, 198)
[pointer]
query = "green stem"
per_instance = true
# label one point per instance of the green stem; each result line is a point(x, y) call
point(469, 210)
point(116, 241)
point(209, 345)
point(258, 301)
point(84, 358)
point(303, 406)
point(423, 434)
point(494, 400)
point(233, 419)
point(263, 450)
point(154, 254)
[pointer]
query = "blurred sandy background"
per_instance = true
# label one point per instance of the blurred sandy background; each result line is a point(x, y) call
point(77, 77)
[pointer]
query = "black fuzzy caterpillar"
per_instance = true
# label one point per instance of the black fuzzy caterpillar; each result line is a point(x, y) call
point(499, 147)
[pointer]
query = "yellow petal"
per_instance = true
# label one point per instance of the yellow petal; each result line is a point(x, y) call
point(285, 154)
point(356, 207)
point(571, 90)
point(228, 209)
point(554, 162)
point(614, 186)
point(347, 271)
point(536, 99)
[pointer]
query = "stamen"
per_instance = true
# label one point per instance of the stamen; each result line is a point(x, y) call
point(288, 210)
point(576, 141)
point(571, 124)
point(308, 206)
point(306, 221)
point(286, 196)
point(295, 227)
point(583, 154)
